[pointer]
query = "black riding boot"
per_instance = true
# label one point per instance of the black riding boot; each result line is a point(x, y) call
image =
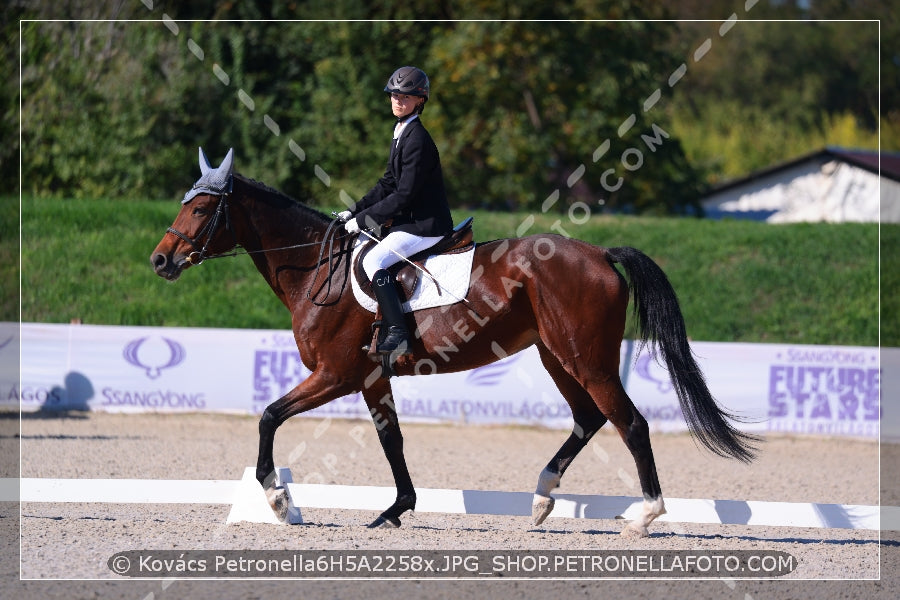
point(394, 341)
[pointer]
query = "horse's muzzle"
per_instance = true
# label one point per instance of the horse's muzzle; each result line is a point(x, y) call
point(166, 268)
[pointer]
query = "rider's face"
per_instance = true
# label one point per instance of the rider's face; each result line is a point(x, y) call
point(404, 104)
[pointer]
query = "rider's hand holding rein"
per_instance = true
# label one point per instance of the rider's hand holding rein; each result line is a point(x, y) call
point(351, 226)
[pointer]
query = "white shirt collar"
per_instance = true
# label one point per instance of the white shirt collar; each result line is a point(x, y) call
point(399, 127)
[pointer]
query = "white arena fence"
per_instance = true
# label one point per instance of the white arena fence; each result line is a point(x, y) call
point(798, 389)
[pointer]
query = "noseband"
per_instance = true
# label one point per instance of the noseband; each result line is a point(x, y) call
point(209, 230)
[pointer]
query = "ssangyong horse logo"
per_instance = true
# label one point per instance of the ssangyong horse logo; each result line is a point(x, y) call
point(153, 357)
point(491, 374)
point(648, 367)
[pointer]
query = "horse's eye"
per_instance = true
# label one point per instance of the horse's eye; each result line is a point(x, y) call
point(200, 211)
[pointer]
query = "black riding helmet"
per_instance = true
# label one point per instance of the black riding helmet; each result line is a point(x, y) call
point(411, 81)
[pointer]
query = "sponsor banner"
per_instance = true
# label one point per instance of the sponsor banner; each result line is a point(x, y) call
point(9, 365)
point(516, 390)
point(890, 394)
point(121, 369)
point(825, 390)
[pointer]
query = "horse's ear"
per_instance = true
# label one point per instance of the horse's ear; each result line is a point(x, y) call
point(205, 167)
point(227, 165)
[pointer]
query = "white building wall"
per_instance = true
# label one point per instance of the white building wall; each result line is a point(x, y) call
point(813, 191)
point(890, 201)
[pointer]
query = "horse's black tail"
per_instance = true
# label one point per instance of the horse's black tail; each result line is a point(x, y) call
point(660, 322)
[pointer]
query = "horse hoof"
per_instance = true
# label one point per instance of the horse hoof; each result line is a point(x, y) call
point(278, 500)
point(541, 508)
point(385, 522)
point(635, 531)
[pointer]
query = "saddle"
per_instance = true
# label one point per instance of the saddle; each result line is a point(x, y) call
point(461, 239)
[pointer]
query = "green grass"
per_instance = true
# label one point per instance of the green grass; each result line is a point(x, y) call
point(890, 285)
point(90, 260)
point(753, 282)
point(736, 280)
point(9, 259)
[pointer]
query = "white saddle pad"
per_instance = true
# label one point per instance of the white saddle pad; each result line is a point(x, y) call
point(452, 271)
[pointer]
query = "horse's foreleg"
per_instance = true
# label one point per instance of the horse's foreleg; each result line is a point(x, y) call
point(379, 399)
point(265, 466)
point(318, 389)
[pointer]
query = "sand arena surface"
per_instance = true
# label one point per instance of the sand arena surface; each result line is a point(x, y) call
point(72, 541)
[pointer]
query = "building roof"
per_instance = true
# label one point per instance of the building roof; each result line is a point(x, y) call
point(864, 159)
point(868, 159)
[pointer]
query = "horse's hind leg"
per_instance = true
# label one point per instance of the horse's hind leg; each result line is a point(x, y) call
point(588, 419)
point(614, 402)
point(379, 399)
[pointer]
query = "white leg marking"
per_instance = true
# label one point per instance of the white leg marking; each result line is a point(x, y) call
point(651, 509)
point(543, 502)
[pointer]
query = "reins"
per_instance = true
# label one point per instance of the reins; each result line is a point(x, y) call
point(329, 237)
point(242, 251)
point(198, 256)
point(210, 228)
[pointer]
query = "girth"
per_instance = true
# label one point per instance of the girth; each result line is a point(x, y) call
point(459, 240)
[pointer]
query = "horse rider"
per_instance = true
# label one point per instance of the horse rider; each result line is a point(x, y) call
point(410, 197)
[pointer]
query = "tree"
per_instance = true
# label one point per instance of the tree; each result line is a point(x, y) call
point(522, 110)
point(524, 105)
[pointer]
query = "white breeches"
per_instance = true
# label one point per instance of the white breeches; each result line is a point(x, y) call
point(392, 247)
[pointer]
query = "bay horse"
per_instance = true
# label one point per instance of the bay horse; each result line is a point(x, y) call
point(562, 295)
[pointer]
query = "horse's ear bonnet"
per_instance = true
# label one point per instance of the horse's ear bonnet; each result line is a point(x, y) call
point(212, 181)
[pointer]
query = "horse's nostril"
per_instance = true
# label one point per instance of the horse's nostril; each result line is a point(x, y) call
point(158, 260)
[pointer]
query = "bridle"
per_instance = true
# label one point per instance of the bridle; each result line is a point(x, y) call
point(209, 230)
point(199, 254)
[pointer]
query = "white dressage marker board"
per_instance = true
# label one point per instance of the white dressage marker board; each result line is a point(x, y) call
point(249, 502)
